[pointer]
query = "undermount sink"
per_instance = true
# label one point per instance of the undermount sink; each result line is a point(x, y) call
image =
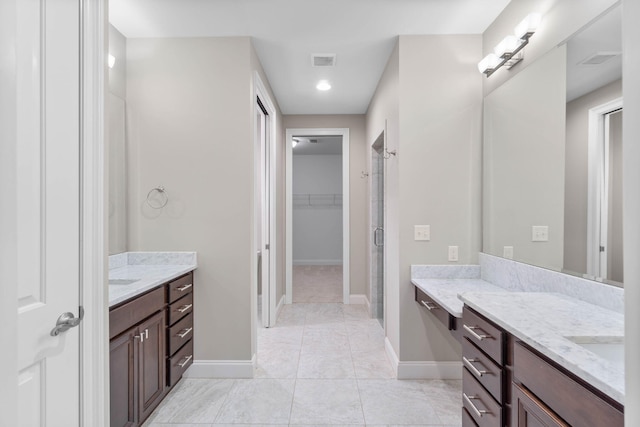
point(610, 348)
point(122, 281)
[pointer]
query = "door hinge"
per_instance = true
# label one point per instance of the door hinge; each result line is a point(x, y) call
point(601, 248)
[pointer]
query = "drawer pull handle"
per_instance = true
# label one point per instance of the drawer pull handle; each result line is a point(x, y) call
point(478, 412)
point(469, 364)
point(183, 333)
point(479, 337)
point(184, 308)
point(428, 305)
point(184, 288)
point(186, 360)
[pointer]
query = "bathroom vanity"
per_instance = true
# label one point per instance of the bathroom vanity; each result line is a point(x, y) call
point(533, 354)
point(150, 333)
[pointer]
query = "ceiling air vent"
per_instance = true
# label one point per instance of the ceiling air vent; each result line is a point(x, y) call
point(323, 59)
point(599, 58)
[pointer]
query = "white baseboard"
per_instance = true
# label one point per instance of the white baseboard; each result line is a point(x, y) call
point(422, 370)
point(281, 304)
point(317, 262)
point(221, 369)
point(430, 370)
point(391, 354)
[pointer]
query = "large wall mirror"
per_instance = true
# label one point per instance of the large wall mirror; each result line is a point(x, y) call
point(552, 158)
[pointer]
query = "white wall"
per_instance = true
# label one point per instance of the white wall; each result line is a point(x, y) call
point(523, 155)
point(575, 247)
point(357, 188)
point(317, 227)
point(191, 103)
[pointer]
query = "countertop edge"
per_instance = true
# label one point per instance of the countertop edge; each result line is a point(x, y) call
point(154, 283)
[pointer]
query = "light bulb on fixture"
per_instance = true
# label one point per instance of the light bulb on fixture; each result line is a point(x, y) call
point(111, 61)
point(323, 85)
point(528, 26)
point(488, 63)
point(506, 47)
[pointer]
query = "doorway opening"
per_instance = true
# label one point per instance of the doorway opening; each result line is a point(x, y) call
point(377, 230)
point(317, 215)
point(604, 221)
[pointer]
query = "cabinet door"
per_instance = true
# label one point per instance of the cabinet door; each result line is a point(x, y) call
point(530, 412)
point(152, 353)
point(123, 373)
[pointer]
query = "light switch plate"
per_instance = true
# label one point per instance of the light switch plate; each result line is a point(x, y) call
point(507, 252)
point(453, 253)
point(422, 232)
point(540, 233)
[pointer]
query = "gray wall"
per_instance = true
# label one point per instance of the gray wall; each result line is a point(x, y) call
point(317, 222)
point(118, 74)
point(577, 157)
point(191, 103)
point(357, 188)
point(432, 112)
point(523, 157)
point(383, 115)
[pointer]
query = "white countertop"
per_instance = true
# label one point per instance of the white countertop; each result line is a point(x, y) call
point(544, 320)
point(148, 269)
point(445, 291)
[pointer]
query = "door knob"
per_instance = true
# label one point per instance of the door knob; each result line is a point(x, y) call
point(66, 321)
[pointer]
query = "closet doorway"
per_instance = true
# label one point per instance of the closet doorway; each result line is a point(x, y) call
point(317, 255)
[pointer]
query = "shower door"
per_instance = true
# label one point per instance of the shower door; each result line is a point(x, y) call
point(377, 230)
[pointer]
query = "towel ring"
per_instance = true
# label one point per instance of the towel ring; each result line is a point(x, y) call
point(159, 200)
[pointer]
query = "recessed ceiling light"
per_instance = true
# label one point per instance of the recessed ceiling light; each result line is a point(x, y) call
point(323, 85)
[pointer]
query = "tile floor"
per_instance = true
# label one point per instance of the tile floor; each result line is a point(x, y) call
point(317, 283)
point(323, 364)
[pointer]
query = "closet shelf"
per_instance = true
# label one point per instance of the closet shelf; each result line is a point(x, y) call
point(317, 200)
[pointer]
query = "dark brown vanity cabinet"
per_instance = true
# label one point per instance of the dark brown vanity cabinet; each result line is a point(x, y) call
point(507, 383)
point(142, 345)
point(440, 313)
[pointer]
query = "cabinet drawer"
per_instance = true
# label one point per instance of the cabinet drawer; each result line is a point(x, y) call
point(180, 333)
point(131, 313)
point(180, 287)
point(483, 369)
point(485, 411)
point(180, 308)
point(433, 307)
point(484, 334)
point(574, 402)
point(179, 363)
point(467, 421)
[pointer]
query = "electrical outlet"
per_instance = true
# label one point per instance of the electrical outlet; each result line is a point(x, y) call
point(540, 233)
point(453, 253)
point(507, 252)
point(422, 232)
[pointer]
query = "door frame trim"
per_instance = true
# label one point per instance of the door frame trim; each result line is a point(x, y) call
point(595, 172)
point(94, 356)
point(290, 133)
point(261, 92)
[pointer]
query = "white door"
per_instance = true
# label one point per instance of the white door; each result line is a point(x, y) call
point(48, 210)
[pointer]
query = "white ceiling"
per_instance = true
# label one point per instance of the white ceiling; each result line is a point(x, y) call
point(604, 35)
point(286, 32)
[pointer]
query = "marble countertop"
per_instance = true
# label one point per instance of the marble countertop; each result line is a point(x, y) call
point(148, 270)
point(445, 291)
point(553, 324)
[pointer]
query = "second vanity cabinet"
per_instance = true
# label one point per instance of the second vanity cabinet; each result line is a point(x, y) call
point(507, 383)
point(150, 335)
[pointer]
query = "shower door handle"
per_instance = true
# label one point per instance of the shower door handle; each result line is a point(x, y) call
point(375, 237)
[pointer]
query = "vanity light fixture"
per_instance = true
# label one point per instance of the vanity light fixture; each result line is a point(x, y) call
point(111, 61)
point(508, 51)
point(323, 85)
